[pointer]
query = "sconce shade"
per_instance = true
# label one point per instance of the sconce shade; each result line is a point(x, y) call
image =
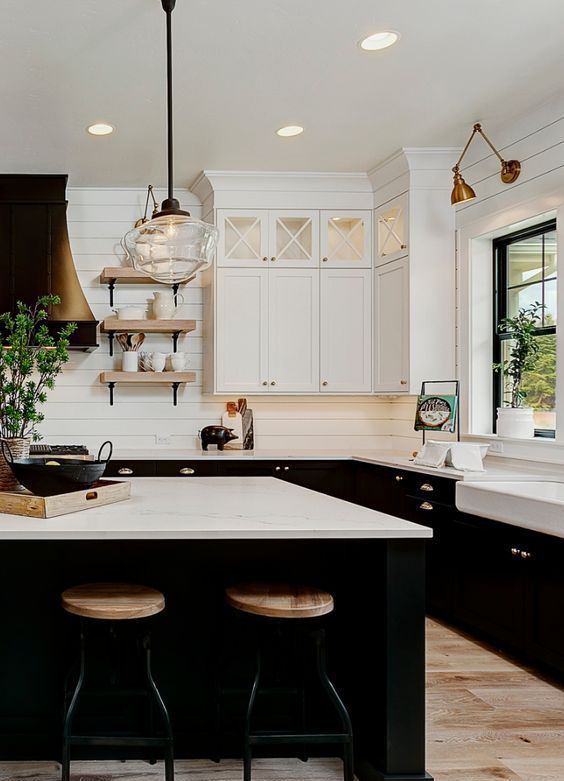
point(170, 248)
point(461, 191)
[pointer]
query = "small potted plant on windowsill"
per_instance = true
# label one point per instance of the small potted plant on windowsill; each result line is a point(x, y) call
point(30, 360)
point(516, 420)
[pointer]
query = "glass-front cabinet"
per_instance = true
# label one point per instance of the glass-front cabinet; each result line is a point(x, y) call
point(294, 238)
point(243, 238)
point(392, 230)
point(346, 239)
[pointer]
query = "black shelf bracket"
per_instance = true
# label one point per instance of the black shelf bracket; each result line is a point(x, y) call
point(111, 288)
point(111, 340)
point(111, 386)
point(175, 386)
point(175, 336)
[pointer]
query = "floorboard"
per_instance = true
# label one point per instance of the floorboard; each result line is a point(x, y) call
point(488, 720)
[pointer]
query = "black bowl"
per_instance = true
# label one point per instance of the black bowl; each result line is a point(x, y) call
point(70, 475)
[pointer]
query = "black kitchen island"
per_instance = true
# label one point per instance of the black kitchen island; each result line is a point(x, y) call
point(190, 539)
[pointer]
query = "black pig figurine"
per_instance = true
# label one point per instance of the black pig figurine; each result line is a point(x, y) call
point(216, 435)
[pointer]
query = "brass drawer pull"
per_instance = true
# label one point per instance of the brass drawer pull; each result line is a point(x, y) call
point(425, 506)
point(426, 487)
point(186, 470)
point(125, 470)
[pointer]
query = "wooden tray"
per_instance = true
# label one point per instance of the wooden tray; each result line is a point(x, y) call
point(101, 493)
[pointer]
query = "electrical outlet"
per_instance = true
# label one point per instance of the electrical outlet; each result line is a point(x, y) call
point(496, 447)
point(163, 439)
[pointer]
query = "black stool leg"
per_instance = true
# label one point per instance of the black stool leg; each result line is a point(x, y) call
point(247, 759)
point(161, 707)
point(337, 702)
point(69, 715)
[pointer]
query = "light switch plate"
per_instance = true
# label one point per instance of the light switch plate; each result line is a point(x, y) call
point(496, 447)
point(163, 439)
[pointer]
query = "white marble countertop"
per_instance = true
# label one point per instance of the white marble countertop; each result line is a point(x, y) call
point(495, 468)
point(216, 508)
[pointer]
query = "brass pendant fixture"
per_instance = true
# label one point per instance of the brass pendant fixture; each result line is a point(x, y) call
point(510, 170)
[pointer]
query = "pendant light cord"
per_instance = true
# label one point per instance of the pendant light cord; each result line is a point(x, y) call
point(169, 101)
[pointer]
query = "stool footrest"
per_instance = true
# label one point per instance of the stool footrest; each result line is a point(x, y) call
point(268, 738)
point(116, 740)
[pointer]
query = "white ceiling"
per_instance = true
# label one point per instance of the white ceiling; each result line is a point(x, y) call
point(245, 67)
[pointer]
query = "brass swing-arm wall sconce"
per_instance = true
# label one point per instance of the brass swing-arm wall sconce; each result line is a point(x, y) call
point(510, 170)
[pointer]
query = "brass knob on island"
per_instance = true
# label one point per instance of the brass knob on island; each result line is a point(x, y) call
point(125, 470)
point(187, 471)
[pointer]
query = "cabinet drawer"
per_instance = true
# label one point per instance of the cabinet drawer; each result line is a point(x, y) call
point(119, 468)
point(245, 468)
point(186, 468)
point(433, 489)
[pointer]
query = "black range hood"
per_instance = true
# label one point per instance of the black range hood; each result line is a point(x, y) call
point(35, 253)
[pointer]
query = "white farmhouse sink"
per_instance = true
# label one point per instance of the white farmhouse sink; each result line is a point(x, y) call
point(537, 506)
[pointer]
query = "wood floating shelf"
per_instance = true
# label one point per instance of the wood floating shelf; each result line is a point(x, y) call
point(111, 275)
point(175, 379)
point(112, 326)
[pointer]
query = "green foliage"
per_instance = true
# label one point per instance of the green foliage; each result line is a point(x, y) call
point(525, 348)
point(539, 383)
point(30, 361)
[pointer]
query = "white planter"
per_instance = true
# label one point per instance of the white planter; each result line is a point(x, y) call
point(517, 422)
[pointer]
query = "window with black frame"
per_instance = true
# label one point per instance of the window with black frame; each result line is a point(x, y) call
point(525, 269)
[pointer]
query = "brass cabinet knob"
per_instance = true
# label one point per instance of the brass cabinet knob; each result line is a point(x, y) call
point(525, 554)
point(515, 551)
point(277, 468)
point(265, 259)
point(425, 506)
point(273, 383)
point(403, 246)
point(403, 382)
point(125, 470)
point(325, 383)
point(426, 487)
point(399, 478)
point(186, 470)
point(325, 260)
point(286, 468)
point(273, 258)
point(265, 382)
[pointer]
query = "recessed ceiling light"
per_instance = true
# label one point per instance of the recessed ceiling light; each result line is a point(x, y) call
point(100, 129)
point(379, 41)
point(290, 130)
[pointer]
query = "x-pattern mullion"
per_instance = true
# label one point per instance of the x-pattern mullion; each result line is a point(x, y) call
point(345, 239)
point(242, 238)
point(389, 225)
point(294, 238)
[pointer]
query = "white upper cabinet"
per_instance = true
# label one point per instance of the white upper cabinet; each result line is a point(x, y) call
point(242, 330)
point(346, 239)
point(392, 230)
point(346, 331)
point(294, 238)
point(391, 327)
point(243, 238)
point(293, 328)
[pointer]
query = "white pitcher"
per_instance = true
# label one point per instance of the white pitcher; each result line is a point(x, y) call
point(164, 307)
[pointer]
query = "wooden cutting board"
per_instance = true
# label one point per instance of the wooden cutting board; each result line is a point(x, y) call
point(101, 493)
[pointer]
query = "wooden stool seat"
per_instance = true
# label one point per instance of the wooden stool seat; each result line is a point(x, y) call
point(279, 600)
point(113, 601)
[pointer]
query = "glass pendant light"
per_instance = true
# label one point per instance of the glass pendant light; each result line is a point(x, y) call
point(172, 246)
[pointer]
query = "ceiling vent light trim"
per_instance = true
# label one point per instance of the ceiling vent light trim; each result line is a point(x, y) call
point(172, 246)
point(290, 130)
point(378, 41)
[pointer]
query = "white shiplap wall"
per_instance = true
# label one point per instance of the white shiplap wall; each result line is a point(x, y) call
point(78, 409)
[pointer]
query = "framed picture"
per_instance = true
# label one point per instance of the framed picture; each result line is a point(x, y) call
point(436, 413)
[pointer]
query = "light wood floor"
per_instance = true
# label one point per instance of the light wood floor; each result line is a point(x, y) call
point(488, 720)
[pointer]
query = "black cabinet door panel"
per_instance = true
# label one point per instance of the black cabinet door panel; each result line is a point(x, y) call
point(179, 468)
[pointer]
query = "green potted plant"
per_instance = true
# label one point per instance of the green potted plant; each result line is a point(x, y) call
point(30, 360)
point(514, 419)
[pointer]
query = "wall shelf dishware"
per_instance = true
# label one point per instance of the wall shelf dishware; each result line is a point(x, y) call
point(111, 275)
point(112, 325)
point(174, 379)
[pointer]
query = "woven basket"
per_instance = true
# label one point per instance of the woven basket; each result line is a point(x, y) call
point(19, 449)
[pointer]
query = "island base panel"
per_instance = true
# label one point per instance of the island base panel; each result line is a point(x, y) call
point(375, 641)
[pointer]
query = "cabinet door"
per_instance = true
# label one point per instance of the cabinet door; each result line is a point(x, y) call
point(346, 239)
point(391, 327)
point(242, 331)
point(294, 238)
point(346, 331)
point(293, 328)
point(326, 477)
point(243, 238)
point(391, 228)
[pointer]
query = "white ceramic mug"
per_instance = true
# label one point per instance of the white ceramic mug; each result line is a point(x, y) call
point(178, 361)
point(129, 362)
point(158, 361)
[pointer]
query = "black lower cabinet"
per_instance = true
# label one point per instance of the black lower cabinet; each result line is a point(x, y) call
point(381, 488)
point(334, 478)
